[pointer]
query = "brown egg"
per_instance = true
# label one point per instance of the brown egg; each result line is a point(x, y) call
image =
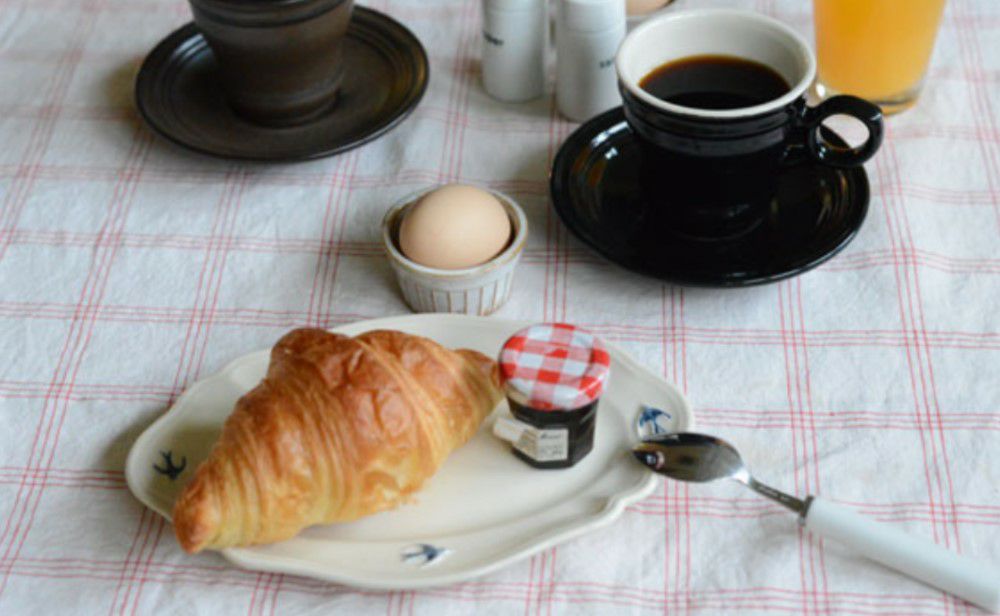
point(454, 227)
point(641, 7)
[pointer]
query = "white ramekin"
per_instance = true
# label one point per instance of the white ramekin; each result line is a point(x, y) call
point(478, 290)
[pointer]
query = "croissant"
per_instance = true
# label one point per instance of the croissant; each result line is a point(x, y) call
point(339, 428)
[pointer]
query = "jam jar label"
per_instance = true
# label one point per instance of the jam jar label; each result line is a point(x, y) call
point(544, 445)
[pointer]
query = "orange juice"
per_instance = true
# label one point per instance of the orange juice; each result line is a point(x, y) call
point(876, 49)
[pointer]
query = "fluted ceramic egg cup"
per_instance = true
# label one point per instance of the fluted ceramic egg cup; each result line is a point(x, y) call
point(478, 290)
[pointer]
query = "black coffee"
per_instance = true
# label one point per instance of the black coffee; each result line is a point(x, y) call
point(715, 82)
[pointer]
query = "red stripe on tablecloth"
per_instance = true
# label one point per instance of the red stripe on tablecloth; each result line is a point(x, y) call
point(931, 384)
point(160, 527)
point(539, 583)
point(853, 261)
point(971, 518)
point(465, 65)
point(390, 603)
point(612, 332)
point(682, 509)
point(195, 317)
point(67, 473)
point(56, 405)
point(202, 290)
point(685, 489)
point(250, 317)
point(228, 213)
point(274, 588)
point(229, 575)
point(668, 366)
point(327, 285)
point(984, 107)
point(961, 73)
point(587, 592)
point(532, 563)
point(463, 68)
point(202, 318)
point(92, 293)
point(797, 406)
point(146, 516)
point(894, 222)
point(218, 269)
point(928, 386)
point(192, 315)
point(9, 213)
point(815, 487)
point(793, 433)
point(253, 595)
point(325, 246)
point(155, 526)
point(94, 287)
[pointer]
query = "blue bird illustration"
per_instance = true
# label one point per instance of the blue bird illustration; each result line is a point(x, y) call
point(171, 470)
point(423, 554)
point(653, 421)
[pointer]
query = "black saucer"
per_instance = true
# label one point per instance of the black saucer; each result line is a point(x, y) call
point(179, 96)
point(595, 189)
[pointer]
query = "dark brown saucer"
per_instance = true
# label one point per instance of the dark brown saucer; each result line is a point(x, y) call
point(178, 93)
point(816, 211)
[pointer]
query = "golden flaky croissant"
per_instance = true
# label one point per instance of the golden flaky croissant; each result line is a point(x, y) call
point(339, 428)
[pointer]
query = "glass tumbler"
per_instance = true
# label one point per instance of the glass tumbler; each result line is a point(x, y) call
point(875, 49)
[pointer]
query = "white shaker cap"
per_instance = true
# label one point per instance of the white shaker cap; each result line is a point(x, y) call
point(514, 5)
point(591, 15)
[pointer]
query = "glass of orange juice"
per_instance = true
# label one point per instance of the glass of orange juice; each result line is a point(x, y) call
point(875, 49)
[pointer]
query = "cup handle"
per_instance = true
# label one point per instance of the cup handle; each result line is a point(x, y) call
point(838, 156)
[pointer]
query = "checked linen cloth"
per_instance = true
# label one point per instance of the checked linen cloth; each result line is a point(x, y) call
point(130, 268)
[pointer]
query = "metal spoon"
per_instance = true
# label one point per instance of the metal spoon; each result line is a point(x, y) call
point(701, 458)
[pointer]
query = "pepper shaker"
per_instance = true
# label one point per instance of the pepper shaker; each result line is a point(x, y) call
point(588, 33)
point(515, 34)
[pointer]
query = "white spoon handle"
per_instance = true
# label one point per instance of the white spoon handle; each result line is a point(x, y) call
point(918, 558)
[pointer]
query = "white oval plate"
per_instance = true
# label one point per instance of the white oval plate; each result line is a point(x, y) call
point(483, 510)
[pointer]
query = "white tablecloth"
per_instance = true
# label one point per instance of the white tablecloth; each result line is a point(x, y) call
point(130, 268)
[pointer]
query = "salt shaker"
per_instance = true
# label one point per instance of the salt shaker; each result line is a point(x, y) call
point(588, 33)
point(514, 42)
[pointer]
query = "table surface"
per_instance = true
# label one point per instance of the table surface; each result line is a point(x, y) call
point(131, 268)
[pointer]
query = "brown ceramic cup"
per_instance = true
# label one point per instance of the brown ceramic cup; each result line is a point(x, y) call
point(280, 60)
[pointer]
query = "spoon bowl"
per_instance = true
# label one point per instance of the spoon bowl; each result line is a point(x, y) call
point(692, 457)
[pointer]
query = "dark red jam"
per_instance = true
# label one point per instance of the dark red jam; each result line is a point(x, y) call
point(571, 432)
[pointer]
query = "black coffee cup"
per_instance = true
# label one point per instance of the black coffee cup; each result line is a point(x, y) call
point(712, 173)
point(280, 61)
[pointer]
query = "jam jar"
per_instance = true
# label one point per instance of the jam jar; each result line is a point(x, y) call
point(553, 375)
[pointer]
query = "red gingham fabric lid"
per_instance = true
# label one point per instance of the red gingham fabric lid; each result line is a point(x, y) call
point(554, 367)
